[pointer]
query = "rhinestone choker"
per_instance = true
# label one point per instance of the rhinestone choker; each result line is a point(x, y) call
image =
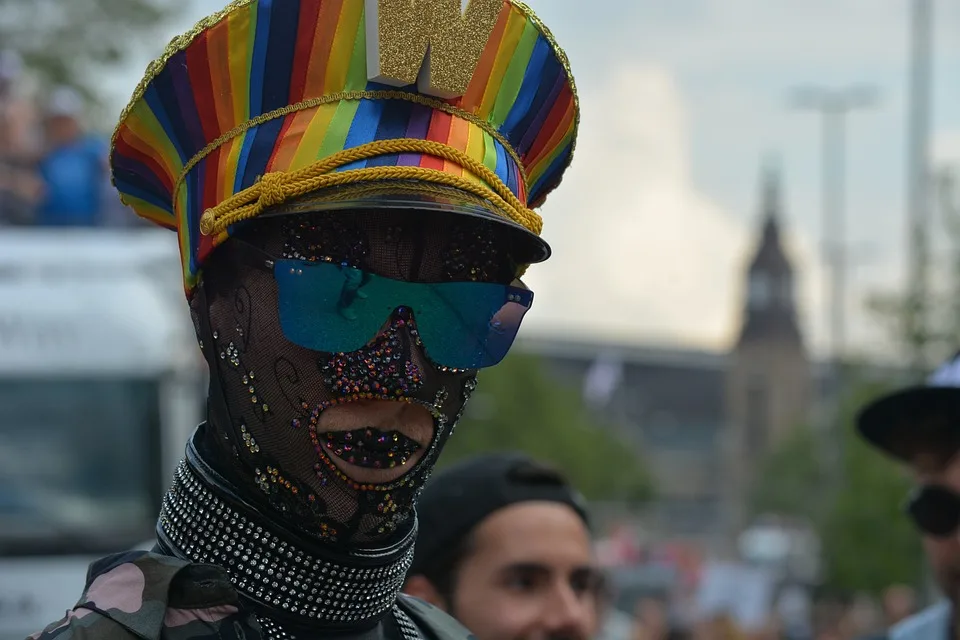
point(284, 581)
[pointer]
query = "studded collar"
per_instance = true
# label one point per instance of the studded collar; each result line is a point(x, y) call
point(288, 580)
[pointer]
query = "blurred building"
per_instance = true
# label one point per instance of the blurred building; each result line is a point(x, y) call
point(703, 419)
point(768, 374)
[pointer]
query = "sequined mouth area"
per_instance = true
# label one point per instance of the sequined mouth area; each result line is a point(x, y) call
point(372, 448)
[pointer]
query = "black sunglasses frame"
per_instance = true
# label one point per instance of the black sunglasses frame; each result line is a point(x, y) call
point(934, 510)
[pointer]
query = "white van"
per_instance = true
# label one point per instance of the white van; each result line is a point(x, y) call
point(101, 383)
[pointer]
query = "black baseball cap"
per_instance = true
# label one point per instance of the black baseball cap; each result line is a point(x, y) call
point(930, 412)
point(460, 497)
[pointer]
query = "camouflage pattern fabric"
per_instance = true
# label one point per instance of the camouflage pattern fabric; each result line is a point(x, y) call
point(148, 596)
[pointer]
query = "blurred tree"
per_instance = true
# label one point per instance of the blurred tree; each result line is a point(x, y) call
point(788, 477)
point(518, 406)
point(71, 41)
point(867, 541)
point(925, 325)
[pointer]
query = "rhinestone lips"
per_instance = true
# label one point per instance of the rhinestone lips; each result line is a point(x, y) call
point(275, 572)
point(372, 448)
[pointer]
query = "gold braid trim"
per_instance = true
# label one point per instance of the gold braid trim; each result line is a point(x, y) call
point(276, 188)
point(351, 95)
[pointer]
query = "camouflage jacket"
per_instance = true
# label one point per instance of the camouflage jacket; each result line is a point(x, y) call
point(147, 596)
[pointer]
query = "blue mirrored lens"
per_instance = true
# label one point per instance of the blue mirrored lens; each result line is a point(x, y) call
point(333, 308)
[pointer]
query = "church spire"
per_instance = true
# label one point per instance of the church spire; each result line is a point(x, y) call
point(770, 197)
point(770, 311)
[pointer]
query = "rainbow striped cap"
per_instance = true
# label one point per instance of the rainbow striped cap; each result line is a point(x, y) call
point(340, 103)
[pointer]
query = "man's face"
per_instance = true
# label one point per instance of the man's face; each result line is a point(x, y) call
point(652, 616)
point(530, 575)
point(929, 468)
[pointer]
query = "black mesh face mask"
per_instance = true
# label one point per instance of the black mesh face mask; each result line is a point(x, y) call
point(274, 445)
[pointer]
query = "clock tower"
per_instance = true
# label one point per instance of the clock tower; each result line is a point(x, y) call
point(769, 381)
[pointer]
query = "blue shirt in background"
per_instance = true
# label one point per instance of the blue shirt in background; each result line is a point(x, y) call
point(933, 623)
point(73, 176)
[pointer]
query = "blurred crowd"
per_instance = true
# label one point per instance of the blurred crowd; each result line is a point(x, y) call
point(660, 591)
point(855, 618)
point(53, 168)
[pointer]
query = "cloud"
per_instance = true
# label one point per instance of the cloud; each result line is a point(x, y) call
point(748, 35)
point(638, 253)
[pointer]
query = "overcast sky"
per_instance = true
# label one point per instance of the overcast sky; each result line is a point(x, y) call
point(681, 100)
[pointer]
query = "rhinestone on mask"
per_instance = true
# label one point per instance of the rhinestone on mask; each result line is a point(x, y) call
point(323, 239)
point(231, 355)
point(286, 496)
point(377, 371)
point(469, 386)
point(270, 570)
point(249, 440)
point(372, 448)
point(473, 254)
point(248, 380)
point(327, 466)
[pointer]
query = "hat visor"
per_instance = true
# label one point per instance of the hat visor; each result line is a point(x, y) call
point(526, 246)
point(891, 422)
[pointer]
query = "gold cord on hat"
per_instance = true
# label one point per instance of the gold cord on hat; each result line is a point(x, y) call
point(275, 188)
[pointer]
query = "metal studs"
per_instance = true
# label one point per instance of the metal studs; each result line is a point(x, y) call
point(350, 593)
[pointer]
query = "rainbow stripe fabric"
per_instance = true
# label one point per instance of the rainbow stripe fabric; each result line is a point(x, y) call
point(276, 85)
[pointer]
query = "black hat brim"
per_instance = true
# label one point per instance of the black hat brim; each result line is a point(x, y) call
point(526, 247)
point(893, 421)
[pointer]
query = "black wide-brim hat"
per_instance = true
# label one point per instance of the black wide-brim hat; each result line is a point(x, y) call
point(929, 412)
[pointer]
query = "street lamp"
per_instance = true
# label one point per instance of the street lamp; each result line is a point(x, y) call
point(833, 106)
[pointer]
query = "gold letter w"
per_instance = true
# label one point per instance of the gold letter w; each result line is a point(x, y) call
point(433, 43)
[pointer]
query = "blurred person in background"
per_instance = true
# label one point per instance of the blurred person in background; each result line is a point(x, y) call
point(20, 187)
point(257, 138)
point(794, 610)
point(651, 620)
point(615, 623)
point(862, 618)
point(506, 549)
point(74, 166)
point(899, 603)
point(920, 427)
point(771, 629)
point(717, 625)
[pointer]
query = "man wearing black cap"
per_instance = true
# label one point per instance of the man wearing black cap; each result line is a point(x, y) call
point(920, 426)
point(505, 548)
